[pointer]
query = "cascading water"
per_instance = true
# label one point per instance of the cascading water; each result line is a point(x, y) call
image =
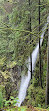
point(26, 79)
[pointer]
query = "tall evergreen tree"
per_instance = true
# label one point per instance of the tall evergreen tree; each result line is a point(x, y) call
point(47, 82)
point(39, 51)
point(30, 34)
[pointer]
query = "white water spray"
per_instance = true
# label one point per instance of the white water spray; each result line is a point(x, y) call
point(26, 79)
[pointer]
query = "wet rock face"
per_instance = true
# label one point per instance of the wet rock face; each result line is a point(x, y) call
point(17, 76)
point(16, 73)
point(8, 90)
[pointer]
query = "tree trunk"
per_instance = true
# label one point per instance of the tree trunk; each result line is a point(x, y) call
point(40, 72)
point(47, 78)
point(30, 34)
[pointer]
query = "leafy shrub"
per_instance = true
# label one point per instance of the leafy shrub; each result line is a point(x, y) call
point(36, 96)
point(2, 89)
point(11, 102)
point(1, 100)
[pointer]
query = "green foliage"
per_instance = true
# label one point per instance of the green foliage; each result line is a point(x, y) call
point(14, 44)
point(39, 105)
point(11, 102)
point(1, 100)
point(48, 108)
point(2, 90)
point(35, 96)
point(23, 108)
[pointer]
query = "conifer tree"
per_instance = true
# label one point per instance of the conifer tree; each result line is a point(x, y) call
point(40, 73)
point(30, 34)
point(47, 79)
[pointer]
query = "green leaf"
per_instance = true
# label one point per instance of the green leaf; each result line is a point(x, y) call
point(11, 97)
point(39, 105)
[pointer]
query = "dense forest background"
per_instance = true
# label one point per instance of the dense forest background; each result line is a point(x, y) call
point(16, 46)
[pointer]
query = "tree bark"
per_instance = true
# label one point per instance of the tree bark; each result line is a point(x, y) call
point(47, 77)
point(40, 72)
point(30, 34)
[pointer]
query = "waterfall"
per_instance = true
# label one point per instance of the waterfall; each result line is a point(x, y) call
point(26, 79)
